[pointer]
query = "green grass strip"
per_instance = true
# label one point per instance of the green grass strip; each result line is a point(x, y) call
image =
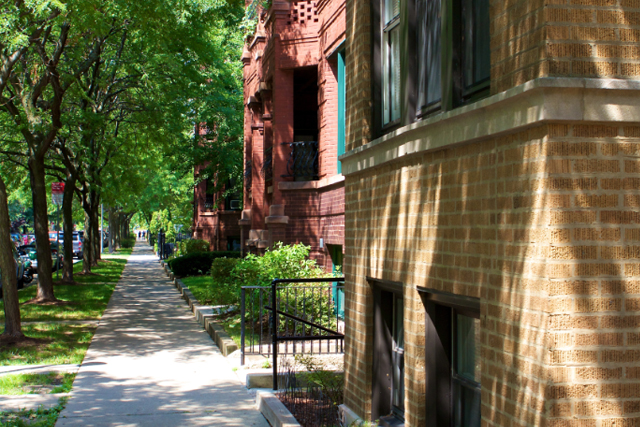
point(201, 287)
point(18, 384)
point(40, 417)
point(62, 344)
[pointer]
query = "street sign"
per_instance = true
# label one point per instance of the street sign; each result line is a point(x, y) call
point(57, 191)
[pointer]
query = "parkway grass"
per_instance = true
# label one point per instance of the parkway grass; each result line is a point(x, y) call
point(202, 288)
point(50, 383)
point(85, 302)
point(62, 344)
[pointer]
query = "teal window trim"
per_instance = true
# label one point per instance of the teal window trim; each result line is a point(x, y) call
point(342, 106)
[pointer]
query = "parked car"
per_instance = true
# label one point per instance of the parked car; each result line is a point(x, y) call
point(19, 271)
point(30, 252)
point(16, 239)
point(77, 244)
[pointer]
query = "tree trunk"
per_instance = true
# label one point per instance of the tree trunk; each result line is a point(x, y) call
point(87, 256)
point(67, 215)
point(12, 326)
point(95, 227)
point(41, 228)
point(97, 237)
point(116, 237)
point(111, 230)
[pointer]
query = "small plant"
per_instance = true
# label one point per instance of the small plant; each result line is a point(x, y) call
point(266, 364)
point(331, 383)
point(234, 369)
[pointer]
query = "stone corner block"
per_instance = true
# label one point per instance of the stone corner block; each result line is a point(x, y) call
point(274, 411)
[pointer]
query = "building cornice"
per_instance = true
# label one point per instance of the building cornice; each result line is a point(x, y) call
point(539, 101)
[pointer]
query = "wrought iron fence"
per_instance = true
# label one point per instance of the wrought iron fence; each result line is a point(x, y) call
point(267, 165)
point(303, 161)
point(308, 319)
point(310, 393)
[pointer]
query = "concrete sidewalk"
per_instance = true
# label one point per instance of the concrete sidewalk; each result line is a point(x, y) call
point(151, 364)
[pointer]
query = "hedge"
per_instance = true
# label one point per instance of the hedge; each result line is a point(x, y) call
point(198, 263)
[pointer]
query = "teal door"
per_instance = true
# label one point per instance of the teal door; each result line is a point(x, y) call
point(342, 104)
point(335, 251)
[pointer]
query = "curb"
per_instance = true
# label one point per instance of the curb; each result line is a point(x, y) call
point(204, 315)
point(274, 411)
point(266, 402)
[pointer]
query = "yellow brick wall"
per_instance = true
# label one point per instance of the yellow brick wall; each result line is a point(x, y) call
point(570, 38)
point(542, 226)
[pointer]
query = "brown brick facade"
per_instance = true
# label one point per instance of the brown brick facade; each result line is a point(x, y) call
point(217, 225)
point(291, 95)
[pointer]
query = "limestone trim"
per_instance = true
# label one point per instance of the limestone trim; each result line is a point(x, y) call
point(311, 185)
point(531, 104)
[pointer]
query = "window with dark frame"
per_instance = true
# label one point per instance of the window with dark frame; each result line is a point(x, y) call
point(391, 61)
point(443, 59)
point(388, 394)
point(452, 359)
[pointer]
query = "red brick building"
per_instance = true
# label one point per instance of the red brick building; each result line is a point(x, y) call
point(294, 128)
point(215, 218)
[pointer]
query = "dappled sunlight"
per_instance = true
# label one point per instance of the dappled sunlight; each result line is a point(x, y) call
point(150, 358)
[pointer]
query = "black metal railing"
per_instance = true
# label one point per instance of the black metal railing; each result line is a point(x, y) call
point(247, 175)
point(308, 318)
point(311, 392)
point(267, 165)
point(303, 161)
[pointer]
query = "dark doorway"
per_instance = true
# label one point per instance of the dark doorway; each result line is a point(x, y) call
point(305, 104)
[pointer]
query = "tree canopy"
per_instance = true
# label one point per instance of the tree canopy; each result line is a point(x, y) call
point(106, 95)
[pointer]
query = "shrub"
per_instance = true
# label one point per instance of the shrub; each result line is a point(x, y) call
point(283, 262)
point(127, 243)
point(198, 263)
point(187, 247)
point(225, 290)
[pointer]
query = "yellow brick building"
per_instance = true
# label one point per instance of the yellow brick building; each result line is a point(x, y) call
point(492, 184)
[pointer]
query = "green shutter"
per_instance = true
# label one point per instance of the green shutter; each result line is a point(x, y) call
point(341, 107)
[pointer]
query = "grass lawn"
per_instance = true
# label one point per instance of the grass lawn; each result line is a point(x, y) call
point(201, 287)
point(50, 383)
point(61, 344)
point(33, 418)
point(107, 271)
point(85, 302)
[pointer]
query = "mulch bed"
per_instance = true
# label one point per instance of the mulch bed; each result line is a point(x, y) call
point(308, 411)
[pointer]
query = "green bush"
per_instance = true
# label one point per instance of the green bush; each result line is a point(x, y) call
point(225, 290)
point(283, 262)
point(127, 243)
point(198, 263)
point(187, 247)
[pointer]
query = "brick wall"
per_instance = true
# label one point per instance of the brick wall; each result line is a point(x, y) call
point(316, 214)
point(542, 226)
point(577, 38)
